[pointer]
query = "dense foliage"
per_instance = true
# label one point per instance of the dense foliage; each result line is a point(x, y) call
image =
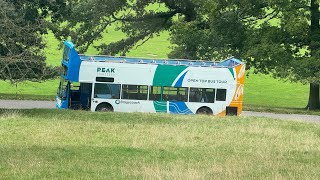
point(277, 37)
point(22, 24)
point(140, 20)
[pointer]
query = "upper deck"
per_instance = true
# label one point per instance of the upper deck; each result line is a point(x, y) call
point(229, 63)
point(72, 62)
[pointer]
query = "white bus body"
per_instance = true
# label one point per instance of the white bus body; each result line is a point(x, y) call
point(143, 85)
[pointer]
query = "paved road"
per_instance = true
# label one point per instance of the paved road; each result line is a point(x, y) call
point(18, 104)
point(299, 117)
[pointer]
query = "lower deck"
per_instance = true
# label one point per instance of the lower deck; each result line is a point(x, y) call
point(141, 98)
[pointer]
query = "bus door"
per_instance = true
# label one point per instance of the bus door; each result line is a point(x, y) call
point(75, 96)
point(85, 97)
point(63, 94)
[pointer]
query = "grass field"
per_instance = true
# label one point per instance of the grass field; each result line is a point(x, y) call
point(260, 90)
point(39, 144)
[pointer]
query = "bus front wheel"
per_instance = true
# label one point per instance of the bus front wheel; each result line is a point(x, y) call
point(104, 107)
point(204, 110)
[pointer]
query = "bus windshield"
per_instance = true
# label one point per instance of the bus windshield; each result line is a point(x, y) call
point(66, 53)
point(62, 90)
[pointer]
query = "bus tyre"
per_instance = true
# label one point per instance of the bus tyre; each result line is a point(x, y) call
point(104, 108)
point(204, 111)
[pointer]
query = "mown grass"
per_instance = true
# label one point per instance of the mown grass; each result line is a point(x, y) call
point(82, 145)
point(29, 90)
point(265, 91)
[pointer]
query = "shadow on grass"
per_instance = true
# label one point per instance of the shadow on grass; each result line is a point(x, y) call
point(77, 161)
point(113, 117)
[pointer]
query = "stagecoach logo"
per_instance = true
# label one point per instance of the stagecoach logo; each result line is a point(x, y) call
point(127, 102)
point(106, 70)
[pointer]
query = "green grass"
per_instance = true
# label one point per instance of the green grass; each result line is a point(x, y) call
point(264, 91)
point(157, 47)
point(29, 90)
point(53, 51)
point(39, 144)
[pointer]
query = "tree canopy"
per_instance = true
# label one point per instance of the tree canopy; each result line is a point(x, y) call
point(22, 24)
point(140, 20)
point(277, 37)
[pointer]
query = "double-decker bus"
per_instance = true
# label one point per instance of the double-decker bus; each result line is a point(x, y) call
point(121, 84)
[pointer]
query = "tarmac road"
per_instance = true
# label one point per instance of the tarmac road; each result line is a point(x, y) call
point(23, 104)
point(26, 104)
point(299, 117)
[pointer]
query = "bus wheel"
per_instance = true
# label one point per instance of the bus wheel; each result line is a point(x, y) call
point(104, 107)
point(204, 110)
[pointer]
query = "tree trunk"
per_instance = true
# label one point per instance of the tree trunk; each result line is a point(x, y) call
point(314, 103)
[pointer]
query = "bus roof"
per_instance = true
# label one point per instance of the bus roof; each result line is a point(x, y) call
point(232, 62)
point(228, 63)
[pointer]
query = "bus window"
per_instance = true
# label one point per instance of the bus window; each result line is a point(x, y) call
point(74, 86)
point(155, 93)
point(62, 91)
point(65, 70)
point(66, 53)
point(107, 91)
point(221, 94)
point(175, 94)
point(203, 95)
point(134, 92)
point(210, 93)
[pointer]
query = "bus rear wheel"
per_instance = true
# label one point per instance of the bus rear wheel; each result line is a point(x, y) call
point(204, 111)
point(104, 107)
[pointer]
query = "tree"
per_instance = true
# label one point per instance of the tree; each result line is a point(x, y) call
point(90, 19)
point(292, 45)
point(22, 24)
point(273, 36)
point(277, 37)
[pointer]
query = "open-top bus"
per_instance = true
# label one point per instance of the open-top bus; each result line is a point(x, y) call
point(106, 83)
